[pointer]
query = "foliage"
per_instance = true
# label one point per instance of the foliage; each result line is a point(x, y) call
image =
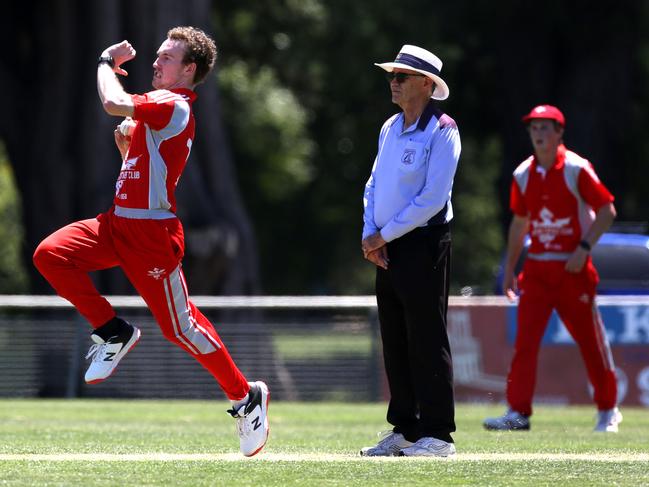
point(322, 52)
point(303, 104)
point(13, 278)
point(193, 443)
point(270, 135)
point(477, 235)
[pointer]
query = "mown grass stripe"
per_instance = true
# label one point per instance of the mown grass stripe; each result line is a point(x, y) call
point(318, 457)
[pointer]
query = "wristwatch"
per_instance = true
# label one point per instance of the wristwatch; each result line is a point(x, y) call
point(106, 59)
point(585, 245)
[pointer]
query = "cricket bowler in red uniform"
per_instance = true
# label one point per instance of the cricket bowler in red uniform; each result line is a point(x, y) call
point(141, 234)
point(558, 200)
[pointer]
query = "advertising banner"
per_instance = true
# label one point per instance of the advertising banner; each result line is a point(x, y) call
point(482, 338)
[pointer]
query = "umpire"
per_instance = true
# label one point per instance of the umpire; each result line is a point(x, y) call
point(406, 235)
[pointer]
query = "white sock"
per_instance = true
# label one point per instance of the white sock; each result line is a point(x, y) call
point(237, 404)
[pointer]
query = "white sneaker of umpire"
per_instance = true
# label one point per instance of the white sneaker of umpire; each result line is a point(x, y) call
point(107, 354)
point(429, 447)
point(390, 445)
point(608, 420)
point(252, 419)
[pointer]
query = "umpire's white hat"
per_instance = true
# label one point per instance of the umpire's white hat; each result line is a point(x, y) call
point(422, 61)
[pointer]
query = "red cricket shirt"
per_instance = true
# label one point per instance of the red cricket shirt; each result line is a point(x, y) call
point(160, 145)
point(560, 202)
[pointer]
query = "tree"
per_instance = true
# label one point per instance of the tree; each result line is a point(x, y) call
point(301, 103)
point(13, 278)
point(59, 140)
point(323, 52)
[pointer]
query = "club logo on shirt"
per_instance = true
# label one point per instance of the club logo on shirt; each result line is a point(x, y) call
point(128, 172)
point(547, 228)
point(129, 164)
point(408, 156)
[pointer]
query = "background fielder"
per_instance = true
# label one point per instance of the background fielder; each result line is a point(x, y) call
point(558, 200)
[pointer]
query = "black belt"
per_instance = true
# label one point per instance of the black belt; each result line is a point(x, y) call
point(439, 218)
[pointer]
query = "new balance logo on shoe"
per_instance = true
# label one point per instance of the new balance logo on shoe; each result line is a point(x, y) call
point(252, 419)
point(106, 354)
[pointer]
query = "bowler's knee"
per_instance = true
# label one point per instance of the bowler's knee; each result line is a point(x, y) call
point(45, 255)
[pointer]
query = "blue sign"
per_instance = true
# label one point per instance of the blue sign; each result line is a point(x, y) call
point(625, 325)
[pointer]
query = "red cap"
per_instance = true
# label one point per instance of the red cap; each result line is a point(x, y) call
point(547, 112)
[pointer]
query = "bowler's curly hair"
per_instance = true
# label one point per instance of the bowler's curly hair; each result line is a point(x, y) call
point(201, 49)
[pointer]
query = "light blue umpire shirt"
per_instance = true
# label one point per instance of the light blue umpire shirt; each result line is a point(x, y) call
point(412, 177)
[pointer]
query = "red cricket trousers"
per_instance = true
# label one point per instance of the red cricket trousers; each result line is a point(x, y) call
point(546, 286)
point(149, 252)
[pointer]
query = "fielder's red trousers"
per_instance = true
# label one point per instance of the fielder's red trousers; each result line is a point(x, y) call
point(546, 286)
point(149, 252)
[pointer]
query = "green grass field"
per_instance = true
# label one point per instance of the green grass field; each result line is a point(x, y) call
point(187, 443)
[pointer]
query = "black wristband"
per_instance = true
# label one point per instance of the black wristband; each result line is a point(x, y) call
point(585, 245)
point(106, 59)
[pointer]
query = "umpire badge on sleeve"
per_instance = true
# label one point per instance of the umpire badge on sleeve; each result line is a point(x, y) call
point(408, 156)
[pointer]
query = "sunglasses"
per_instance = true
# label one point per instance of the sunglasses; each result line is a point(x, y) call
point(400, 77)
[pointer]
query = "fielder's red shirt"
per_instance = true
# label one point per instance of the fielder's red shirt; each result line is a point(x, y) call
point(560, 202)
point(160, 146)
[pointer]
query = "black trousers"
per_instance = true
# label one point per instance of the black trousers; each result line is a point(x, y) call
point(412, 297)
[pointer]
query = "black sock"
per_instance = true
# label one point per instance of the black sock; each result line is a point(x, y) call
point(111, 328)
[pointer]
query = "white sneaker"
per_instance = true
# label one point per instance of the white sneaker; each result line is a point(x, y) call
point(608, 420)
point(428, 447)
point(252, 419)
point(510, 421)
point(389, 446)
point(107, 354)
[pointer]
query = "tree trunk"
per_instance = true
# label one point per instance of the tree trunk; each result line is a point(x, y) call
point(60, 141)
